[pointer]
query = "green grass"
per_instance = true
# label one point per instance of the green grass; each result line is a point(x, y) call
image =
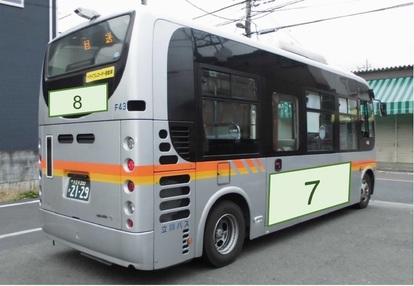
point(27, 195)
point(18, 196)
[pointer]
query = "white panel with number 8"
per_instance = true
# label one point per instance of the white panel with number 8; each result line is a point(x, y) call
point(79, 100)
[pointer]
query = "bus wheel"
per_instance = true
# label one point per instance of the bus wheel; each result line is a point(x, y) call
point(224, 234)
point(366, 190)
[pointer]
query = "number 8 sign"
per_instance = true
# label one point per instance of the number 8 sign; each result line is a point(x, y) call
point(77, 104)
point(79, 100)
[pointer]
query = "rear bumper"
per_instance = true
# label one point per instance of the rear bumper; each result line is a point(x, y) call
point(111, 245)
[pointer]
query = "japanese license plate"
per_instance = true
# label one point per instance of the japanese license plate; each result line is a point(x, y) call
point(79, 188)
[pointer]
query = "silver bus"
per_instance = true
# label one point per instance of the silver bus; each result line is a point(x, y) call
point(161, 141)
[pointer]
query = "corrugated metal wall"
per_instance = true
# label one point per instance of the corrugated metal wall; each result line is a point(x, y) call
point(394, 138)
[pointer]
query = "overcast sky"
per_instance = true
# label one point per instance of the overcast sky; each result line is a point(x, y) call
point(379, 39)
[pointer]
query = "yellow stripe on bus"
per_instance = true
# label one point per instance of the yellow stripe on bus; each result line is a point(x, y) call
point(151, 174)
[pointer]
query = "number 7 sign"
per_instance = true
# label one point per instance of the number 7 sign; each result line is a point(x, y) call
point(297, 193)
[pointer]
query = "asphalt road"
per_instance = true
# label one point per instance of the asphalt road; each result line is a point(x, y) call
point(394, 187)
point(370, 246)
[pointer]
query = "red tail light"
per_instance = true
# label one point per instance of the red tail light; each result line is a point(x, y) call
point(130, 223)
point(130, 164)
point(131, 186)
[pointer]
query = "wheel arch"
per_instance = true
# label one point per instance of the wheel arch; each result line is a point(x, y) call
point(233, 194)
point(370, 173)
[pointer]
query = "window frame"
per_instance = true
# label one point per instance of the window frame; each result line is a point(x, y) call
point(323, 110)
point(353, 120)
point(242, 143)
point(13, 3)
point(89, 62)
point(295, 126)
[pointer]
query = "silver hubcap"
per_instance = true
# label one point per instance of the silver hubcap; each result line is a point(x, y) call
point(226, 233)
point(364, 191)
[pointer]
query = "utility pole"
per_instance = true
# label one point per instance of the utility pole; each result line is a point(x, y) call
point(248, 23)
point(367, 66)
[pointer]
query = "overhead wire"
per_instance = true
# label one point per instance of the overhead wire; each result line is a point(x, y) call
point(215, 11)
point(258, 14)
point(212, 13)
point(268, 11)
point(271, 30)
point(273, 9)
point(328, 3)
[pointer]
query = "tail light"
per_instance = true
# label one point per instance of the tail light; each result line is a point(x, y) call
point(130, 186)
point(130, 164)
point(130, 223)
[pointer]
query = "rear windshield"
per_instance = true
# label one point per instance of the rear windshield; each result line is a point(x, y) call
point(95, 45)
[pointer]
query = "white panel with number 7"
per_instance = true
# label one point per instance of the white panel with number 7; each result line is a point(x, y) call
point(297, 193)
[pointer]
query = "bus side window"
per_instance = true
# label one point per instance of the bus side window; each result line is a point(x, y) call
point(229, 113)
point(285, 122)
point(367, 119)
point(320, 120)
point(348, 121)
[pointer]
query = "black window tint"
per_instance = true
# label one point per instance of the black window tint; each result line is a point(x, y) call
point(95, 45)
point(285, 122)
point(348, 117)
point(229, 123)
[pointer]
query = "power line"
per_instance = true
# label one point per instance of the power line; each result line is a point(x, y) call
point(271, 30)
point(268, 11)
point(227, 7)
point(331, 3)
point(279, 6)
point(212, 12)
point(271, 10)
point(67, 15)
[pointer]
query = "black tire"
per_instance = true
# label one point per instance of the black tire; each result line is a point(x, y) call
point(366, 191)
point(224, 234)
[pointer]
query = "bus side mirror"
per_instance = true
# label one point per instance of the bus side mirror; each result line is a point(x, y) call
point(383, 109)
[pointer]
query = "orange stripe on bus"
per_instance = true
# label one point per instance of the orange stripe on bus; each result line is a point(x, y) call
point(259, 163)
point(240, 167)
point(363, 164)
point(109, 173)
point(206, 170)
point(252, 165)
point(68, 166)
point(174, 167)
point(144, 175)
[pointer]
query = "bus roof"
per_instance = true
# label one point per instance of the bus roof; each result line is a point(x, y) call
point(298, 54)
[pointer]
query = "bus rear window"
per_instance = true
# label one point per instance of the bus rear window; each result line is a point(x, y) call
point(95, 45)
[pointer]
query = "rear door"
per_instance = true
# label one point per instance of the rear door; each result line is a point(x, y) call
point(305, 176)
